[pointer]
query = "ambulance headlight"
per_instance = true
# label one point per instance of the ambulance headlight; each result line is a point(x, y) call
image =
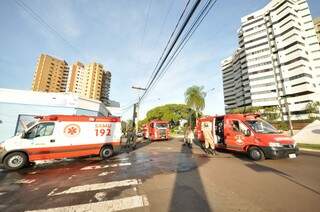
point(275, 144)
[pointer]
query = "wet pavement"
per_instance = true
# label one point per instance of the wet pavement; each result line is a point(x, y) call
point(165, 176)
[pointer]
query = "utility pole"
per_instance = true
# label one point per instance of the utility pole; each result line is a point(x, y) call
point(288, 115)
point(136, 110)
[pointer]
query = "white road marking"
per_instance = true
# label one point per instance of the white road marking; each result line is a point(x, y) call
point(120, 159)
point(100, 196)
point(106, 206)
point(32, 173)
point(105, 173)
point(69, 178)
point(24, 181)
point(2, 193)
point(52, 192)
point(105, 166)
point(97, 186)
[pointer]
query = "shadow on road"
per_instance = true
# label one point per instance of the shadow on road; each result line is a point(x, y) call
point(188, 193)
point(315, 154)
point(262, 168)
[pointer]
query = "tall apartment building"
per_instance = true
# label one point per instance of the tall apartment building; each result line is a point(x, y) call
point(90, 80)
point(87, 80)
point(105, 89)
point(316, 22)
point(51, 74)
point(277, 62)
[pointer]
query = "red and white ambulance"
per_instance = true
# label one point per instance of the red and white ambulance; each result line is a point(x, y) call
point(247, 133)
point(156, 130)
point(62, 136)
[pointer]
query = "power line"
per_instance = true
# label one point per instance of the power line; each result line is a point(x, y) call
point(168, 42)
point(42, 22)
point(193, 9)
point(204, 11)
point(165, 19)
point(146, 22)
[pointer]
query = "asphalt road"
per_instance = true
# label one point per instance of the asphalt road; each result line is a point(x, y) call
point(165, 176)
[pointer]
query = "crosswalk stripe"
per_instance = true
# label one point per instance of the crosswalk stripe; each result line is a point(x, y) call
point(106, 206)
point(120, 159)
point(24, 181)
point(105, 166)
point(97, 186)
point(105, 173)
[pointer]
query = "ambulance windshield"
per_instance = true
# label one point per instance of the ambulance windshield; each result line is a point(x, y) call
point(260, 126)
point(161, 125)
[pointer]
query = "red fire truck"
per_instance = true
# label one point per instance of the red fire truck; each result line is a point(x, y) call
point(156, 130)
point(248, 133)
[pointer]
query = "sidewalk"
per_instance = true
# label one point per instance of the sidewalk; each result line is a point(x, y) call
point(309, 150)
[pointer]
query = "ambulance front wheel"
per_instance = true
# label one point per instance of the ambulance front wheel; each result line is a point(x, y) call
point(106, 152)
point(15, 160)
point(256, 154)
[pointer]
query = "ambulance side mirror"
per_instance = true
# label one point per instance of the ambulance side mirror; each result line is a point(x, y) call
point(247, 132)
point(23, 134)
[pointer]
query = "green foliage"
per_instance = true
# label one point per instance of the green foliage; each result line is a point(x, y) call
point(270, 113)
point(281, 125)
point(172, 113)
point(312, 109)
point(142, 122)
point(129, 125)
point(195, 98)
point(123, 126)
point(169, 112)
point(309, 146)
point(126, 126)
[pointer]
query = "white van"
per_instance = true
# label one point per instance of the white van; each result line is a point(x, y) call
point(62, 136)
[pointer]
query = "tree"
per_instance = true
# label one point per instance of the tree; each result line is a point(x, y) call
point(312, 109)
point(129, 125)
point(195, 98)
point(169, 112)
point(270, 113)
point(142, 122)
point(123, 127)
point(172, 113)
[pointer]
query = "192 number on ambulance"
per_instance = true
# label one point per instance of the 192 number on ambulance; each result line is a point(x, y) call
point(103, 132)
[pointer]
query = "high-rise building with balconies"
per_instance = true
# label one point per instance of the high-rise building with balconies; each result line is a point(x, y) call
point(316, 22)
point(277, 62)
point(51, 74)
point(90, 80)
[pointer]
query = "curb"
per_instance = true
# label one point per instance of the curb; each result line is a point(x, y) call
point(309, 150)
point(177, 136)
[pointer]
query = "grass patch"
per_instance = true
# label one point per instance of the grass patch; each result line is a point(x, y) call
point(310, 146)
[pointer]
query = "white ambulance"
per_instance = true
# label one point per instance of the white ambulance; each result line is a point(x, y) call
point(62, 136)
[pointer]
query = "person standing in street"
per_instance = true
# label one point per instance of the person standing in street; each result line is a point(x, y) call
point(188, 137)
point(209, 139)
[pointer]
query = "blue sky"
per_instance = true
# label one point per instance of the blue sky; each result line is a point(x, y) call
point(127, 37)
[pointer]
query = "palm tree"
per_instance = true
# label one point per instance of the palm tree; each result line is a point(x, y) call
point(195, 98)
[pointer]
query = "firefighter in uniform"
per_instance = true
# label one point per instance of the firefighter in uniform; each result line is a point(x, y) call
point(209, 139)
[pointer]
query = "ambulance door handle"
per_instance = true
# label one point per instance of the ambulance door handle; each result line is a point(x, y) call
point(52, 141)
